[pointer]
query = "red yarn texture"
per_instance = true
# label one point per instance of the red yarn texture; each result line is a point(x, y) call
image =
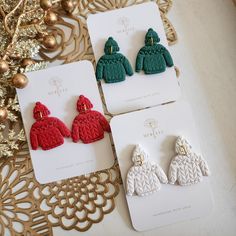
point(88, 126)
point(47, 132)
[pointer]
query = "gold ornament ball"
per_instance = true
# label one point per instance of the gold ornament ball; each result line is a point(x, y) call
point(19, 80)
point(50, 18)
point(4, 67)
point(68, 5)
point(45, 4)
point(3, 114)
point(27, 62)
point(49, 41)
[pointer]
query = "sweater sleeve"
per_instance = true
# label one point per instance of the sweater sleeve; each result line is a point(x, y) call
point(99, 70)
point(139, 62)
point(33, 140)
point(127, 66)
point(167, 57)
point(130, 183)
point(75, 131)
point(203, 166)
point(104, 123)
point(172, 174)
point(63, 129)
point(160, 174)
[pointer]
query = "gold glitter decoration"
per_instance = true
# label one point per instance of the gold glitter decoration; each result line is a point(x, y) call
point(11, 132)
point(75, 203)
point(20, 24)
point(36, 66)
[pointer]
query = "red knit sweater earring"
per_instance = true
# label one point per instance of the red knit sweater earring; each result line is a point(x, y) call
point(47, 132)
point(89, 126)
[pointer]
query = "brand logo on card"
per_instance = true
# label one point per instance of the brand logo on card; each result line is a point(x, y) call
point(56, 84)
point(153, 130)
point(126, 26)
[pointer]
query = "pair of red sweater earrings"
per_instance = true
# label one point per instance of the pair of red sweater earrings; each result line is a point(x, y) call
point(49, 132)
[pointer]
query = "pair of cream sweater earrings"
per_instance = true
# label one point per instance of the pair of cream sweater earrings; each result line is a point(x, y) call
point(186, 168)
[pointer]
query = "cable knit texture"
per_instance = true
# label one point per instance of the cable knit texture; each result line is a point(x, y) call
point(187, 167)
point(88, 126)
point(153, 57)
point(47, 132)
point(144, 178)
point(113, 66)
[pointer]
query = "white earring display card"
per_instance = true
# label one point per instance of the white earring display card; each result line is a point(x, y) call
point(59, 88)
point(128, 27)
point(156, 130)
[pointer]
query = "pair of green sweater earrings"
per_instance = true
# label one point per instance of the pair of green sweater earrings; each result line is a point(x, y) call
point(152, 59)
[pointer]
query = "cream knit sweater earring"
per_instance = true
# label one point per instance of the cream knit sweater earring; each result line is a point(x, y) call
point(187, 167)
point(144, 178)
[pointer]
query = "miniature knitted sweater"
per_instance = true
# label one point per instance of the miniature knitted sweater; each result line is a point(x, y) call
point(144, 178)
point(186, 168)
point(88, 126)
point(47, 132)
point(153, 57)
point(113, 66)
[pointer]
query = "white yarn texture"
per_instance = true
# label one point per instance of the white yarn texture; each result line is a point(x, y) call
point(187, 167)
point(144, 179)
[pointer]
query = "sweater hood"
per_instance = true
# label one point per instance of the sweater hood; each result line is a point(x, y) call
point(111, 46)
point(83, 104)
point(40, 111)
point(151, 37)
point(139, 155)
point(182, 147)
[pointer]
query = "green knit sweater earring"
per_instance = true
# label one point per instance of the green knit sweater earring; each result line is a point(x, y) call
point(113, 66)
point(153, 57)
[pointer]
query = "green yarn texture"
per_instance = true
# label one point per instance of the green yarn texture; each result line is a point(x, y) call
point(113, 67)
point(153, 58)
